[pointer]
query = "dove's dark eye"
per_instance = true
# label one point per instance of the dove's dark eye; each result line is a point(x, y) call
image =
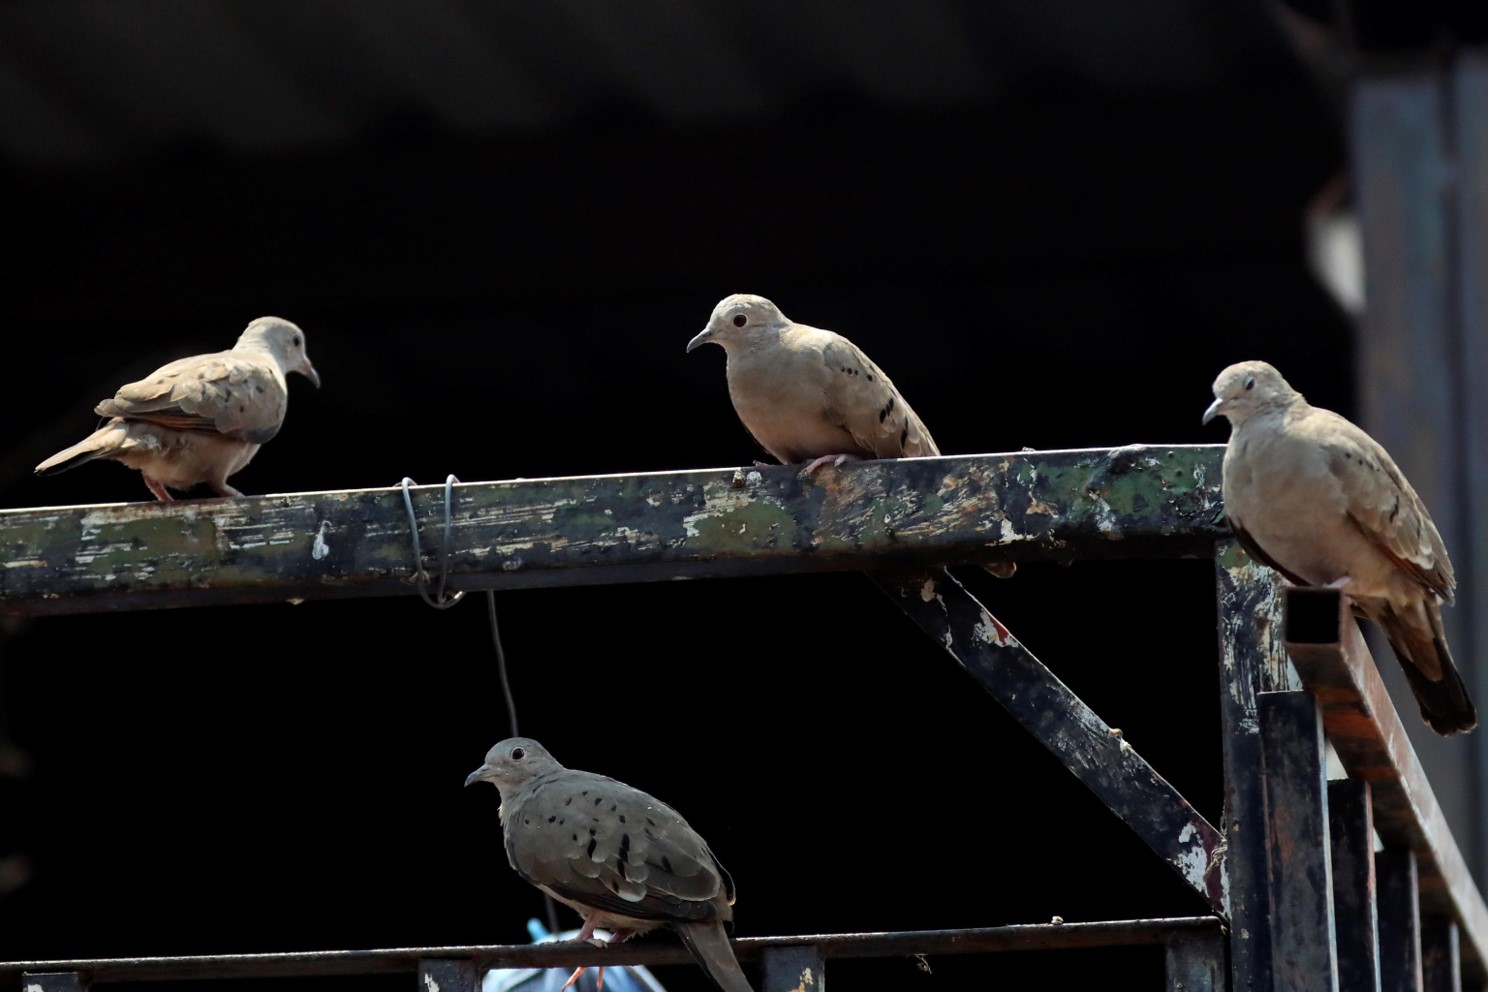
point(740, 320)
point(296, 340)
point(518, 754)
point(1250, 383)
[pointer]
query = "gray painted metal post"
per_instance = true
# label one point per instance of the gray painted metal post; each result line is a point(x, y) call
point(1441, 956)
point(1303, 947)
point(794, 969)
point(1252, 658)
point(1470, 139)
point(1196, 963)
point(1399, 920)
point(1351, 850)
point(1409, 371)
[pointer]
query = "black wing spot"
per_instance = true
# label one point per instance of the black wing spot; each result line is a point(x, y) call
point(904, 434)
point(622, 817)
point(1396, 510)
point(599, 801)
point(624, 848)
point(552, 819)
point(666, 864)
point(593, 843)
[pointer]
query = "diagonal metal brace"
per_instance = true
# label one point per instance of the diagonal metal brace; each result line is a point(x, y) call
point(1060, 720)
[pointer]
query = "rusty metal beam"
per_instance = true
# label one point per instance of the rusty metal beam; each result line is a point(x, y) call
point(1095, 753)
point(1121, 502)
point(408, 960)
point(1362, 724)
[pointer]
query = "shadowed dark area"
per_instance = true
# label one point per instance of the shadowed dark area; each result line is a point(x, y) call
point(1061, 255)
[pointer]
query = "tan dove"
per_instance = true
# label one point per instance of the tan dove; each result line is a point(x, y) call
point(809, 395)
point(1313, 496)
point(625, 861)
point(199, 419)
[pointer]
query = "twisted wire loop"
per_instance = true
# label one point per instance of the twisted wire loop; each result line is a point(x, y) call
point(438, 600)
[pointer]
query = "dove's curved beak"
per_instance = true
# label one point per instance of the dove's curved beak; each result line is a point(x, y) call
point(309, 372)
point(477, 776)
point(703, 337)
point(1213, 410)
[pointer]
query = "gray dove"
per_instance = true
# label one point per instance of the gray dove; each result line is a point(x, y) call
point(625, 861)
point(809, 395)
point(1314, 497)
point(199, 419)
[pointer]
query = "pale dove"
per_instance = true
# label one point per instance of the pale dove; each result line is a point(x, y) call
point(809, 395)
point(1313, 496)
point(199, 419)
point(625, 861)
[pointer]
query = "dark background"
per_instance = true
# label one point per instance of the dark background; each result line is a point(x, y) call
point(498, 225)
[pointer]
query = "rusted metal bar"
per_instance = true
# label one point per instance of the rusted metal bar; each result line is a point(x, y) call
point(1303, 947)
point(1441, 956)
point(405, 960)
point(1399, 920)
point(626, 528)
point(1361, 722)
point(1251, 660)
point(794, 969)
point(1034, 696)
point(1351, 849)
point(1196, 963)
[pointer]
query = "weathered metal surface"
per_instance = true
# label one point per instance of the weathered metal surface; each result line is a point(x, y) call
point(1304, 951)
point(1098, 755)
point(1364, 728)
point(1441, 956)
point(1399, 920)
point(405, 960)
point(794, 969)
point(1251, 660)
point(1196, 963)
point(446, 975)
point(603, 529)
point(1351, 847)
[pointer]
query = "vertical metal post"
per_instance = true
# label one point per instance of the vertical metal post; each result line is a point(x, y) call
point(1196, 963)
point(794, 969)
point(1470, 141)
point(1304, 950)
point(1441, 957)
point(445, 975)
point(1351, 848)
point(1252, 659)
point(1399, 920)
point(1409, 370)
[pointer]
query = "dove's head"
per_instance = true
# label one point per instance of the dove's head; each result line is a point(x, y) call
point(283, 340)
point(513, 763)
point(1248, 388)
point(739, 319)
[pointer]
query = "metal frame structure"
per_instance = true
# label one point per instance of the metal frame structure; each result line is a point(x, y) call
point(1300, 898)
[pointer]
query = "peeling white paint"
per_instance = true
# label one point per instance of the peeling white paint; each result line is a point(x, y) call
point(990, 631)
point(320, 548)
point(1008, 534)
point(1191, 862)
point(1105, 517)
point(927, 591)
point(430, 983)
point(754, 478)
point(512, 564)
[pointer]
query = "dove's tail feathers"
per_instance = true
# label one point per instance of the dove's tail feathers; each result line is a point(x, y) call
point(711, 949)
point(107, 440)
point(1421, 648)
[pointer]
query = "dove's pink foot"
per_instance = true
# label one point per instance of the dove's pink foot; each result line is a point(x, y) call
point(836, 460)
point(156, 487)
point(223, 489)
